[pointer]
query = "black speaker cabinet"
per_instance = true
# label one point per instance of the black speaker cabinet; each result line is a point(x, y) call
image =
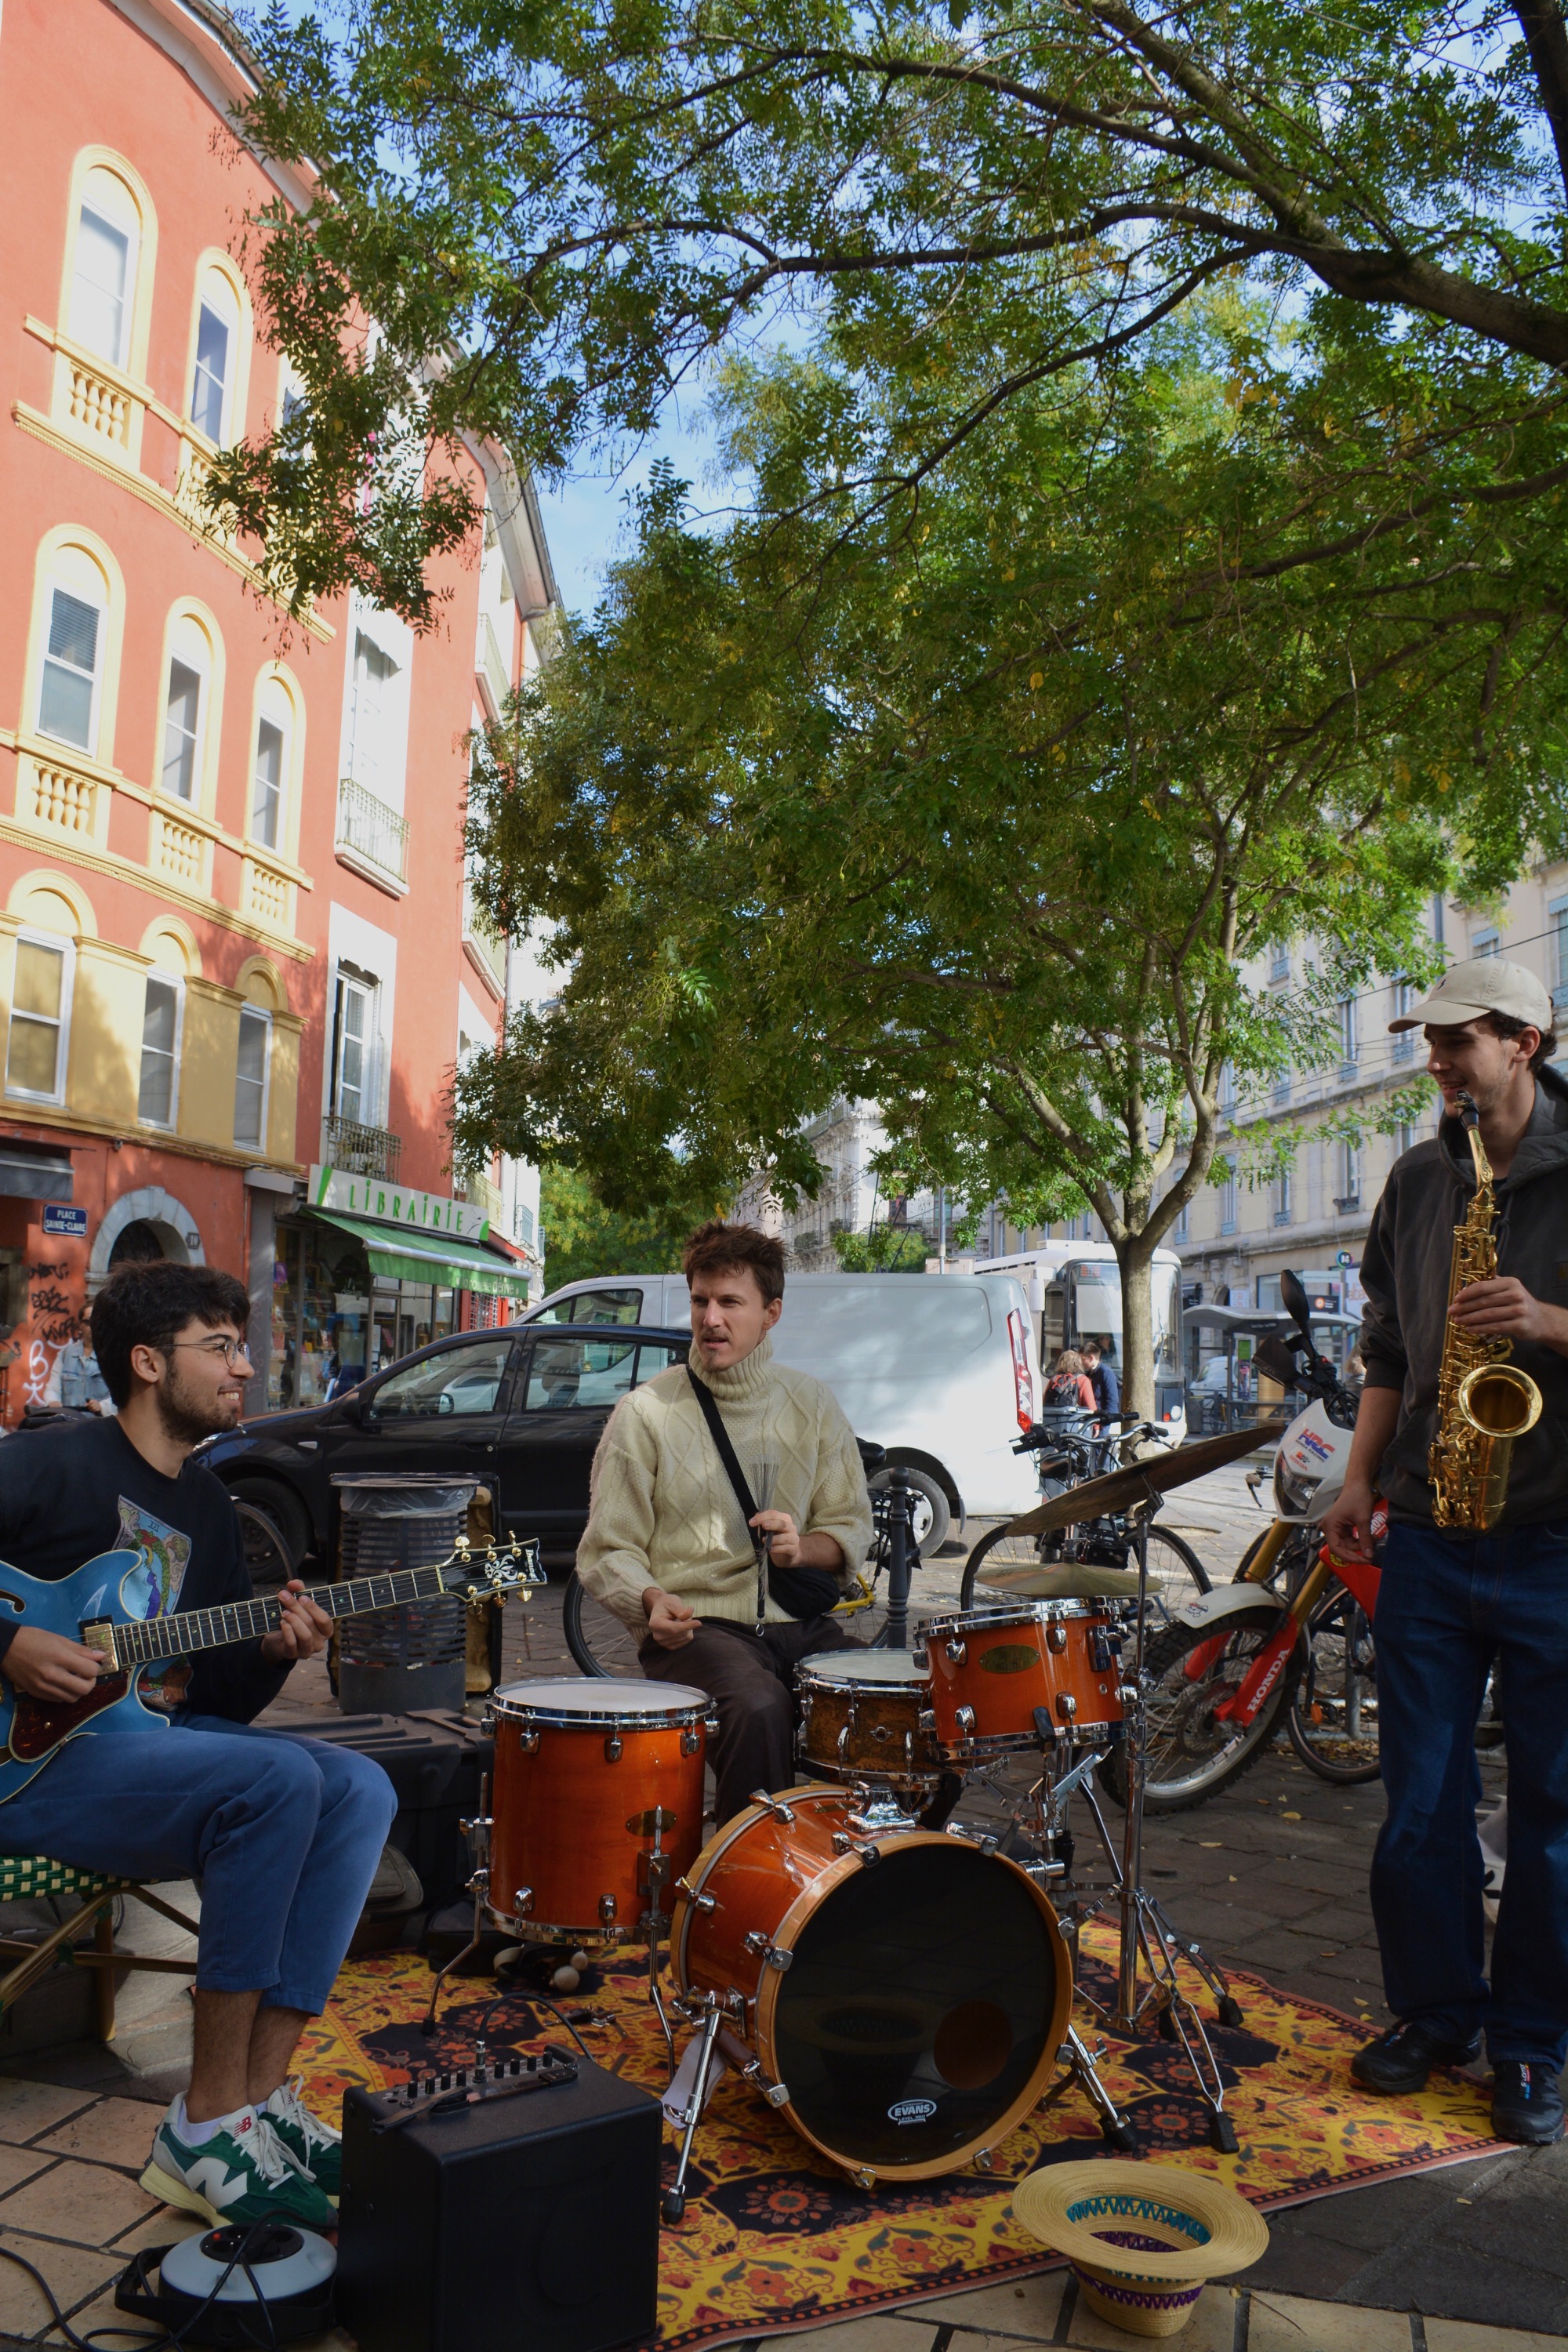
point(521, 2225)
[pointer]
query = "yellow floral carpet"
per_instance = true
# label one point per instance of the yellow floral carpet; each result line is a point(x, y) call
point(774, 2238)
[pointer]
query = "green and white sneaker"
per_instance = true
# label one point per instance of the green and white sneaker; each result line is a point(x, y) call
point(243, 2173)
point(314, 2145)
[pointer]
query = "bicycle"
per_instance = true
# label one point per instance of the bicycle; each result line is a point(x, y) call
point(1072, 1449)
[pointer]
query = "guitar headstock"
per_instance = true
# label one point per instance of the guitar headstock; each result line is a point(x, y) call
point(493, 1571)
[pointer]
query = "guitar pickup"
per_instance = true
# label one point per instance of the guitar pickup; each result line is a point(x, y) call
point(97, 1633)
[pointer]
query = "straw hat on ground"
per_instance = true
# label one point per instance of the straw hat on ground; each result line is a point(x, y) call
point(1182, 2228)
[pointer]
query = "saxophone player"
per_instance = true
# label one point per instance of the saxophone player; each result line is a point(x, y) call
point(1467, 1264)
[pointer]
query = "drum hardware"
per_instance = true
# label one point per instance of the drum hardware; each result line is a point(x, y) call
point(614, 1747)
point(776, 1955)
point(607, 1908)
point(774, 1805)
point(522, 1901)
point(672, 2204)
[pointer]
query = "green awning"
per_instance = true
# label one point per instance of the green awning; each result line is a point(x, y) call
point(409, 1255)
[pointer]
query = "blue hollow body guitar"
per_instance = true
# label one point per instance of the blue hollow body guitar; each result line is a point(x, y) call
point(97, 1606)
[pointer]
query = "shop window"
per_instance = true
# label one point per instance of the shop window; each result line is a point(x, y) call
point(73, 654)
point(156, 1095)
point(40, 1010)
point(250, 1077)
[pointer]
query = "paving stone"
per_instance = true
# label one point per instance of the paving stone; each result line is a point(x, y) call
point(74, 2273)
point(1211, 2328)
point(27, 2107)
point(1287, 2323)
point(161, 2227)
point(86, 2203)
point(111, 2131)
point(1029, 2309)
point(880, 2331)
point(1464, 2335)
point(1429, 2273)
point(1301, 2265)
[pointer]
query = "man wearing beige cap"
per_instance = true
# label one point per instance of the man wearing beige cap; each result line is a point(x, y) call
point(1451, 1602)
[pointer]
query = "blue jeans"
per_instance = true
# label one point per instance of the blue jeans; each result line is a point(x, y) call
point(284, 1834)
point(1447, 1605)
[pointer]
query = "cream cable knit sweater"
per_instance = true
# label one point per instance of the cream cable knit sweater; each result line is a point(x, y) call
point(663, 1511)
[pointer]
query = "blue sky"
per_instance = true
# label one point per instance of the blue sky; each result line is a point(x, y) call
point(585, 520)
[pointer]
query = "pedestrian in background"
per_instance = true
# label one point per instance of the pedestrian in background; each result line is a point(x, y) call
point(1102, 1379)
point(1069, 1384)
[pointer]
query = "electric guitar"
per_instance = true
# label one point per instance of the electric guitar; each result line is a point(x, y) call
point(93, 1606)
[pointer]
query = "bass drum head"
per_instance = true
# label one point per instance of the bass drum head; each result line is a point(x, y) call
point(927, 1997)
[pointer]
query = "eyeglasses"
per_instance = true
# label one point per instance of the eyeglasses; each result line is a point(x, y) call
point(233, 1351)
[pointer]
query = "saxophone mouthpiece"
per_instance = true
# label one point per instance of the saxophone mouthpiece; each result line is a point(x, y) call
point(1469, 1115)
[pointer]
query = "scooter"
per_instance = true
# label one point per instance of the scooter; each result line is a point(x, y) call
point(1235, 1662)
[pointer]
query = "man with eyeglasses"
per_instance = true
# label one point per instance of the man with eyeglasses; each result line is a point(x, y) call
point(283, 1834)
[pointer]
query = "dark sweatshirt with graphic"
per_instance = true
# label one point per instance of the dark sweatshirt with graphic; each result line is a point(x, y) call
point(67, 1493)
point(1405, 1271)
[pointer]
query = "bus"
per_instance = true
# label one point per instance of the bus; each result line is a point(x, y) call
point(1074, 1289)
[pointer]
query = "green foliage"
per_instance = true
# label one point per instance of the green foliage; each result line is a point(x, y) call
point(582, 1238)
point(886, 1249)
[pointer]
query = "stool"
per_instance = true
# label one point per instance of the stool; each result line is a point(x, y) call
point(24, 1877)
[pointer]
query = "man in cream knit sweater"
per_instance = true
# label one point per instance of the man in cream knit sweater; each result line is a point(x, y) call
point(667, 1545)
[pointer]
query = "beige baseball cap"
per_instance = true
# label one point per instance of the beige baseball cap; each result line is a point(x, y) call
point(1484, 984)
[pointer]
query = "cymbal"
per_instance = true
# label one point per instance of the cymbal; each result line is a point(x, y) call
point(1097, 1497)
point(1074, 1580)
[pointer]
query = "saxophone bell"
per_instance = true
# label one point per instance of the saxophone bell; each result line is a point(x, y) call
point(1484, 1402)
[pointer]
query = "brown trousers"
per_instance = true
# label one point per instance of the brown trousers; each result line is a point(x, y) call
point(750, 1677)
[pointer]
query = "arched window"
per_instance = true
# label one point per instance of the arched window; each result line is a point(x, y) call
point(271, 761)
point(217, 357)
point(106, 255)
point(74, 634)
point(38, 1044)
point(188, 718)
point(252, 1069)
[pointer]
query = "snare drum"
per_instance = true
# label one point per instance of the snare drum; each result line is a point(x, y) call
point(1002, 1679)
point(866, 1717)
point(905, 1992)
point(596, 1806)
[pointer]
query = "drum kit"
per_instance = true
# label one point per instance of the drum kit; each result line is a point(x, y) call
point(883, 1973)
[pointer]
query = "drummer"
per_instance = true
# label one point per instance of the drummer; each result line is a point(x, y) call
point(668, 1545)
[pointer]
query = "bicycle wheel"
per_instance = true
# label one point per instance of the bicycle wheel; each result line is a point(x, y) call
point(1332, 1718)
point(1191, 1753)
point(595, 1637)
point(1177, 1574)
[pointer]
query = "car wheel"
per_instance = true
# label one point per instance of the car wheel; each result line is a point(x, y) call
point(276, 1529)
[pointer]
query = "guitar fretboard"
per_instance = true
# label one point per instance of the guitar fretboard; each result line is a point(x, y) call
point(141, 1641)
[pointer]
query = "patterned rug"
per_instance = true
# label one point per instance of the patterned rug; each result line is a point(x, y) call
point(774, 2238)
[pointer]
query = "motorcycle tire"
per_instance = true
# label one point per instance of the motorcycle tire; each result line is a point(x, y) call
point(1181, 1770)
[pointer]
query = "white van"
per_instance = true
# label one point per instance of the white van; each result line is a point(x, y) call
point(942, 1371)
point(1075, 1294)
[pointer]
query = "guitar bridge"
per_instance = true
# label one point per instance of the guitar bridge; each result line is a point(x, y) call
point(97, 1633)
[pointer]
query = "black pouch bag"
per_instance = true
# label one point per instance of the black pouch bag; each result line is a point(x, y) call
point(801, 1591)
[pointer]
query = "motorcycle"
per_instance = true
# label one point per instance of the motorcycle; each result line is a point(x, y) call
point(1287, 1645)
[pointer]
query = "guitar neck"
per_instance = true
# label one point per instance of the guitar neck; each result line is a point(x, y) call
point(140, 1640)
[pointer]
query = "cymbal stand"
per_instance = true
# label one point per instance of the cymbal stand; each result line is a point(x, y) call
point(1147, 1938)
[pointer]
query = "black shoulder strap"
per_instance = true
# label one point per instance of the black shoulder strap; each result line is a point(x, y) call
point(727, 1453)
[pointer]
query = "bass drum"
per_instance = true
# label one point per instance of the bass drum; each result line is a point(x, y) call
point(903, 1992)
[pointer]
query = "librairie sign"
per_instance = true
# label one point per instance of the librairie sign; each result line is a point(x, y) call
point(396, 1204)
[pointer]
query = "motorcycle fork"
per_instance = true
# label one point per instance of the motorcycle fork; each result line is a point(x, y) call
point(1258, 1571)
point(1242, 1705)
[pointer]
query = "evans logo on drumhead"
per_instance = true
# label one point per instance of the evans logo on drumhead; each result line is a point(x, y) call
point(911, 2111)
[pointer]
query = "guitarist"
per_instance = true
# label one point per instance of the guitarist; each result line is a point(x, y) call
point(283, 1834)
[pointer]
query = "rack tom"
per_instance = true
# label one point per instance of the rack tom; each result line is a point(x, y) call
point(1005, 1679)
point(865, 1717)
point(595, 1808)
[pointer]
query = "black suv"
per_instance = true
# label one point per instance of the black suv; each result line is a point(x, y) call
point(522, 1408)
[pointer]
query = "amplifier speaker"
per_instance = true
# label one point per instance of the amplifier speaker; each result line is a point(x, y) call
point(523, 2221)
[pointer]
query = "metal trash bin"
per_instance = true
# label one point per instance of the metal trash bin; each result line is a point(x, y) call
point(395, 1660)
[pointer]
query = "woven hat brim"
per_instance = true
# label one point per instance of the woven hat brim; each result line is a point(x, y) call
point(1237, 2235)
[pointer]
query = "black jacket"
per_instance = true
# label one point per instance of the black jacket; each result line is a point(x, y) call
point(1405, 1271)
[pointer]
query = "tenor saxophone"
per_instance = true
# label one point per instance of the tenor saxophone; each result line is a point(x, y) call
point(1484, 1402)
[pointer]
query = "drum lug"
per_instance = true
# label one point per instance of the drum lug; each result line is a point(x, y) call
point(958, 1652)
point(776, 1955)
point(613, 1747)
point(861, 2177)
point(522, 1902)
point(1056, 1637)
point(775, 2094)
point(774, 1805)
point(711, 1725)
point(689, 1743)
point(964, 1722)
point(697, 1902)
point(529, 1742)
point(842, 1840)
point(983, 2160)
point(926, 1719)
point(1066, 1706)
point(607, 1908)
